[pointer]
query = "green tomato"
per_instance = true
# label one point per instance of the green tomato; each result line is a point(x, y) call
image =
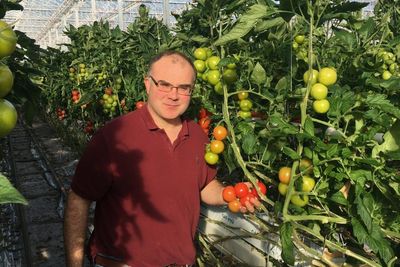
point(243, 95)
point(299, 201)
point(319, 91)
point(200, 65)
point(213, 76)
point(230, 76)
point(200, 53)
point(244, 114)
point(245, 104)
point(282, 188)
point(306, 166)
point(299, 38)
point(8, 117)
point(6, 80)
point(308, 184)
point(393, 68)
point(211, 158)
point(218, 88)
point(212, 62)
point(321, 106)
point(386, 75)
point(314, 76)
point(209, 52)
point(295, 45)
point(8, 39)
point(231, 66)
point(327, 76)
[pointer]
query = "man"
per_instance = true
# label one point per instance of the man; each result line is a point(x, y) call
point(147, 174)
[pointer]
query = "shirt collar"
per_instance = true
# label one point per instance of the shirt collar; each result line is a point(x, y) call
point(151, 125)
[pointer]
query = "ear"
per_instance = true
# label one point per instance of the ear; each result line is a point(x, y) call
point(147, 84)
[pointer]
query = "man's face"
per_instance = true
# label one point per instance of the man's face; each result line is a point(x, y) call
point(167, 107)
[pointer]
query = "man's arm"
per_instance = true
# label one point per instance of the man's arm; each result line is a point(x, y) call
point(212, 193)
point(75, 225)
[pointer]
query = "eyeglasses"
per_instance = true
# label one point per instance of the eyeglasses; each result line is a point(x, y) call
point(164, 86)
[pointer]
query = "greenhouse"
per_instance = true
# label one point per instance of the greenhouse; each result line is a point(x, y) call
point(199, 133)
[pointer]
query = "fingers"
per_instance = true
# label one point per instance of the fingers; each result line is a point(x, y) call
point(250, 206)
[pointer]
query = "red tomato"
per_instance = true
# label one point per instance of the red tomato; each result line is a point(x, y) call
point(205, 122)
point(204, 113)
point(228, 194)
point(139, 104)
point(234, 206)
point(241, 190)
point(75, 92)
point(261, 187)
point(249, 197)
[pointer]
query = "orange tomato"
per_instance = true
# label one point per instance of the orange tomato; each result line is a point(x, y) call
point(284, 175)
point(220, 132)
point(228, 194)
point(234, 206)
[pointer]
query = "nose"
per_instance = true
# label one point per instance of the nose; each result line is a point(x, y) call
point(173, 94)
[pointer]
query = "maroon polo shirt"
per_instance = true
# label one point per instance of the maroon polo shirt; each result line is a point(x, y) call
point(146, 188)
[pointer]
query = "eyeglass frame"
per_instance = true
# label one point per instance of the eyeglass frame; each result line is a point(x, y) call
point(170, 86)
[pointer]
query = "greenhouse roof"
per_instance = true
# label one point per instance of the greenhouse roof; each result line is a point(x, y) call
point(45, 21)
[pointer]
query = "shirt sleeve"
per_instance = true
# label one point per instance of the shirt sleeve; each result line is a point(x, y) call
point(93, 178)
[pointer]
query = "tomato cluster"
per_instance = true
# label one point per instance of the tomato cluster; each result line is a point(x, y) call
point(305, 183)
point(75, 96)
point(8, 113)
point(245, 105)
point(389, 65)
point(300, 46)
point(216, 145)
point(236, 196)
point(320, 80)
point(109, 101)
point(209, 71)
point(89, 128)
point(61, 114)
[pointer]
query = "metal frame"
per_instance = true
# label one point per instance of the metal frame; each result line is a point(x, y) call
point(45, 21)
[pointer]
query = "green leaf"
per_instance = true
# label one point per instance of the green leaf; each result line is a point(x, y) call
point(309, 126)
point(268, 24)
point(8, 194)
point(246, 22)
point(332, 151)
point(291, 153)
point(364, 213)
point(282, 84)
point(258, 76)
point(391, 140)
point(367, 28)
point(249, 144)
point(285, 232)
point(339, 198)
point(199, 39)
point(348, 39)
point(381, 102)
